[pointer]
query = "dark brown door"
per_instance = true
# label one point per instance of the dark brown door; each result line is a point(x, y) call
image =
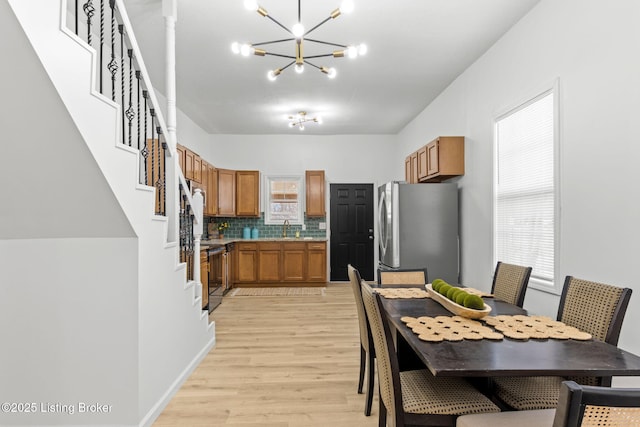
point(351, 230)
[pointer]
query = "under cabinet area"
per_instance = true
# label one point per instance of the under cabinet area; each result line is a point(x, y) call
point(440, 159)
point(281, 262)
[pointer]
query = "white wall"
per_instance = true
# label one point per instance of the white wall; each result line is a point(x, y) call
point(590, 46)
point(345, 158)
point(68, 307)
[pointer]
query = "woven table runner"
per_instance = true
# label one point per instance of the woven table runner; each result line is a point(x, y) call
point(402, 293)
point(519, 327)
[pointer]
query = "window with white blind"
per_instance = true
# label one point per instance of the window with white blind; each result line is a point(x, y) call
point(525, 190)
point(284, 199)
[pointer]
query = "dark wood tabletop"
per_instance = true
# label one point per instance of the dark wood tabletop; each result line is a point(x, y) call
point(507, 357)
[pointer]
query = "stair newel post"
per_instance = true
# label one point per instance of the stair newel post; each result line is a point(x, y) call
point(198, 208)
point(170, 14)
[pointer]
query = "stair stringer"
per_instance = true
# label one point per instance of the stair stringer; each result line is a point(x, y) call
point(174, 334)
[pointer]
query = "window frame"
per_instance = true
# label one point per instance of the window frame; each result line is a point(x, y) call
point(555, 286)
point(268, 220)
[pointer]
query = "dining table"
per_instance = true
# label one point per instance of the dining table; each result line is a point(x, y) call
point(504, 357)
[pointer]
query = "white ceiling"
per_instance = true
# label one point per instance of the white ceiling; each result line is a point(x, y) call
point(416, 49)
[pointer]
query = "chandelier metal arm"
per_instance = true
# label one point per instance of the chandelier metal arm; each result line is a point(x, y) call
point(276, 21)
point(271, 42)
point(319, 56)
point(313, 65)
point(280, 55)
point(313, 28)
point(288, 65)
point(327, 43)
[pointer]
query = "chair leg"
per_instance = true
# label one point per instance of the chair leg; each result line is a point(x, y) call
point(382, 420)
point(370, 382)
point(362, 362)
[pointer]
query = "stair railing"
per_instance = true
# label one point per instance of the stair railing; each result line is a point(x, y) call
point(122, 77)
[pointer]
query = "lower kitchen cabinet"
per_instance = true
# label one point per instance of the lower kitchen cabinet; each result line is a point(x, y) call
point(293, 262)
point(246, 262)
point(204, 277)
point(277, 262)
point(269, 262)
point(317, 262)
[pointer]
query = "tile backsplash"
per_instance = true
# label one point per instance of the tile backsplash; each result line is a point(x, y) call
point(237, 224)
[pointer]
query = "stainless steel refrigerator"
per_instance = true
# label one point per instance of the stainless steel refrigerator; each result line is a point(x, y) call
point(418, 227)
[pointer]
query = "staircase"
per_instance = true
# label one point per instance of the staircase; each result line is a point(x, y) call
point(114, 318)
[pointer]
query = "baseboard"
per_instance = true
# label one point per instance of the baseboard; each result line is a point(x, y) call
point(157, 409)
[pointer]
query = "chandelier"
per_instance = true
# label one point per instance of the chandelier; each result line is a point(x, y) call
point(300, 36)
point(301, 118)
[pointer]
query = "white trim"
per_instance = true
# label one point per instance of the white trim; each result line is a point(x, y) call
point(301, 198)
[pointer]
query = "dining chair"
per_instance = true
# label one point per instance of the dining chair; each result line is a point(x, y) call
point(510, 283)
point(405, 276)
point(367, 351)
point(592, 307)
point(415, 397)
point(578, 406)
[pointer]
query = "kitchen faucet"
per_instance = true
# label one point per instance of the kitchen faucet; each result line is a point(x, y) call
point(284, 227)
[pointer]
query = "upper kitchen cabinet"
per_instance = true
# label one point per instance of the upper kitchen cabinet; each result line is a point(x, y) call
point(210, 188)
point(226, 192)
point(190, 163)
point(439, 160)
point(248, 193)
point(314, 181)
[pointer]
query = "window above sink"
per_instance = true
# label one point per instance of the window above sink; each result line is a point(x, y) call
point(284, 199)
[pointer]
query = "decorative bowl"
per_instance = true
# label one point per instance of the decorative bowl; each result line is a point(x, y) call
point(455, 308)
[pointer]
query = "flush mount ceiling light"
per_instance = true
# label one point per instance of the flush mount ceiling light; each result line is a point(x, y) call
point(299, 37)
point(301, 118)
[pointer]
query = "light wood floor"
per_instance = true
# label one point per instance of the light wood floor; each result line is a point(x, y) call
point(278, 362)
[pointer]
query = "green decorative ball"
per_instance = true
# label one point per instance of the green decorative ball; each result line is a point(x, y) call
point(443, 289)
point(437, 283)
point(474, 302)
point(452, 292)
point(460, 297)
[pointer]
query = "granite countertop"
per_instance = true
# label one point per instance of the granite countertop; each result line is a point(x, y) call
point(222, 242)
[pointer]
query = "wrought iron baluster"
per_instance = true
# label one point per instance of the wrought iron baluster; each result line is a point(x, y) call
point(89, 10)
point(153, 146)
point(113, 64)
point(158, 183)
point(76, 17)
point(145, 149)
point(130, 113)
point(121, 31)
point(101, 42)
point(138, 104)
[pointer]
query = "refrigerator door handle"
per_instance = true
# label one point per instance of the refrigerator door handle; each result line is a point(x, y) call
point(382, 238)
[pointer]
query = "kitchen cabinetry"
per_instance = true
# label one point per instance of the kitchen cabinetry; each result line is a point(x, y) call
point(210, 188)
point(204, 277)
point(293, 262)
point(278, 262)
point(316, 262)
point(440, 159)
point(314, 184)
point(248, 193)
point(246, 262)
point(269, 262)
point(226, 192)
